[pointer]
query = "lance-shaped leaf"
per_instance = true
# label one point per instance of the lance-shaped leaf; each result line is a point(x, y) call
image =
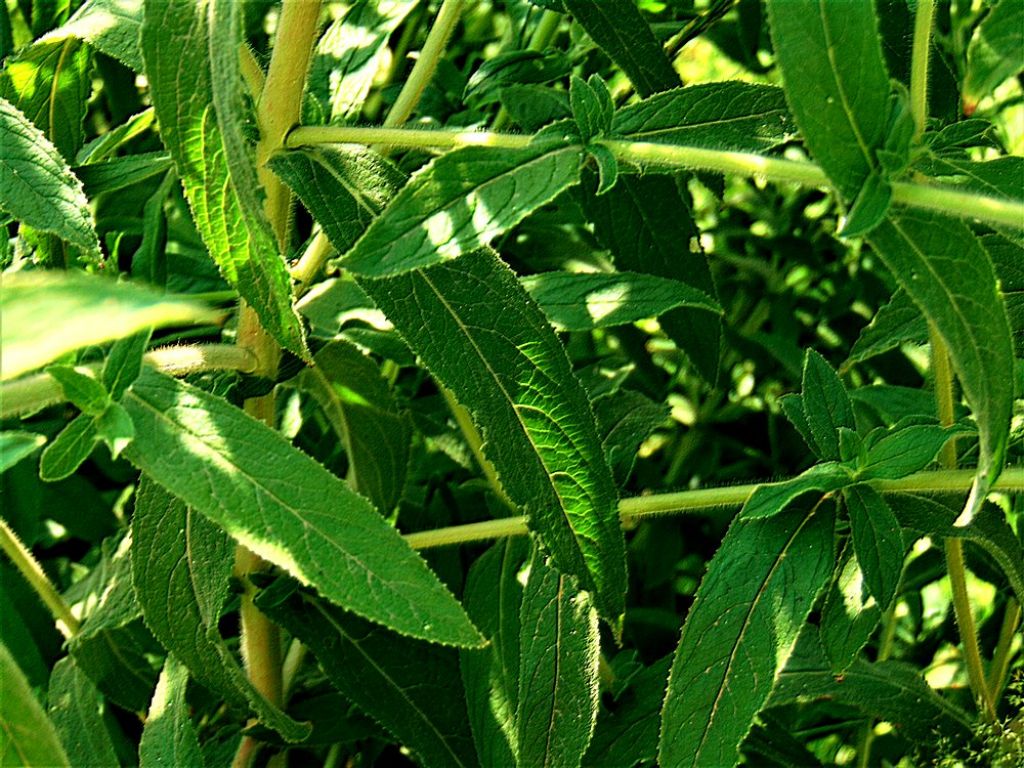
point(110, 25)
point(877, 541)
point(176, 40)
point(15, 446)
point(37, 186)
point(849, 614)
point(477, 331)
point(181, 566)
point(772, 498)
point(286, 508)
point(994, 52)
point(582, 302)
point(904, 450)
point(947, 272)
point(77, 711)
point(460, 202)
point(27, 736)
point(733, 115)
point(836, 83)
point(895, 323)
point(624, 421)
point(750, 607)
point(169, 737)
point(410, 688)
point(618, 27)
point(558, 660)
point(822, 408)
point(1000, 177)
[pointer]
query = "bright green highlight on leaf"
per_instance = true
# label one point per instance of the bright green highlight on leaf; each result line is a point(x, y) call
point(27, 736)
point(169, 737)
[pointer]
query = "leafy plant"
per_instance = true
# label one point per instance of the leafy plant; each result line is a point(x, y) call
point(438, 398)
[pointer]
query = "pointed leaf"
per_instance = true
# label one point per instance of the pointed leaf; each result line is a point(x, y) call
point(84, 392)
point(286, 508)
point(624, 421)
point(169, 736)
point(175, 44)
point(773, 498)
point(904, 450)
point(37, 186)
point(877, 541)
point(27, 736)
point(584, 301)
point(124, 363)
point(1000, 177)
point(750, 607)
point(15, 446)
point(461, 201)
point(112, 26)
point(896, 323)
point(558, 662)
point(181, 564)
point(849, 614)
point(410, 688)
point(69, 449)
point(946, 271)
point(994, 52)
point(508, 368)
point(77, 711)
point(826, 405)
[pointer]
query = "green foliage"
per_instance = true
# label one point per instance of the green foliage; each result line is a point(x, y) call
point(711, 313)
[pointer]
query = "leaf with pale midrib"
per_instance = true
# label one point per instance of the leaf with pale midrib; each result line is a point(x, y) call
point(287, 508)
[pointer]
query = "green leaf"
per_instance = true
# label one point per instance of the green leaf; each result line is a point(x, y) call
point(360, 408)
point(989, 530)
point(621, 31)
point(50, 83)
point(461, 201)
point(351, 51)
point(624, 421)
point(998, 178)
point(86, 393)
point(120, 662)
point(772, 498)
point(849, 615)
point(517, 69)
point(904, 450)
point(410, 688)
point(105, 596)
point(181, 566)
point(1008, 259)
point(731, 115)
point(836, 84)
point(646, 223)
point(112, 26)
point(558, 661)
point(898, 322)
point(948, 274)
point(592, 107)
point(759, 588)
point(37, 186)
point(825, 407)
point(994, 52)
point(77, 711)
point(607, 167)
point(286, 508)
point(15, 446)
point(114, 427)
point(493, 596)
point(868, 208)
point(877, 541)
point(27, 736)
point(69, 449)
point(124, 363)
point(46, 315)
point(508, 369)
point(177, 45)
point(169, 736)
point(584, 301)
point(120, 172)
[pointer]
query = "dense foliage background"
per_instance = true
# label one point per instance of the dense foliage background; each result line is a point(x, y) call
point(558, 302)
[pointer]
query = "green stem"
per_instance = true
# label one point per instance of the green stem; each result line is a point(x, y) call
point(542, 36)
point(311, 262)
point(704, 499)
point(41, 390)
point(34, 574)
point(422, 72)
point(935, 197)
point(919, 65)
point(1000, 670)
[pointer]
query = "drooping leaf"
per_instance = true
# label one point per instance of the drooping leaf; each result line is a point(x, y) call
point(80, 310)
point(624, 421)
point(740, 631)
point(508, 368)
point(558, 647)
point(359, 405)
point(176, 47)
point(460, 202)
point(584, 301)
point(621, 31)
point(37, 186)
point(948, 274)
point(112, 26)
point(993, 54)
point(412, 689)
point(849, 615)
point(732, 115)
point(286, 508)
point(493, 596)
point(77, 711)
point(49, 82)
point(27, 735)
point(836, 84)
point(772, 498)
point(877, 541)
point(169, 736)
point(898, 322)
point(15, 446)
point(646, 223)
point(180, 565)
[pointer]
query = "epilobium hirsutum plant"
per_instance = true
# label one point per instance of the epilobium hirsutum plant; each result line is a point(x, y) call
point(528, 383)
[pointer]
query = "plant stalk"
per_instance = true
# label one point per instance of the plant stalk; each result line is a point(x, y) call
point(919, 65)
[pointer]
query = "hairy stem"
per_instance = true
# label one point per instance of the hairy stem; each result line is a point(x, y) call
point(1000, 670)
point(34, 574)
point(919, 64)
point(934, 197)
